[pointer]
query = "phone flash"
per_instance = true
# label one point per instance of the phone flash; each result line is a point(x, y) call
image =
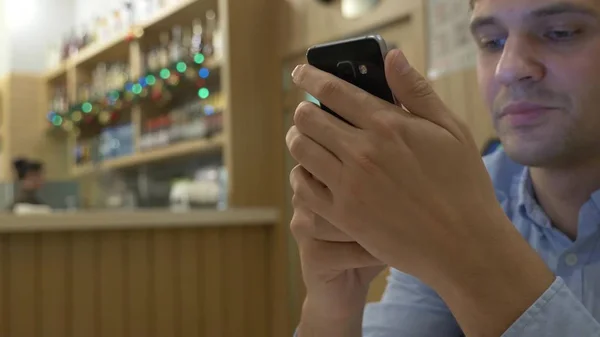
point(362, 69)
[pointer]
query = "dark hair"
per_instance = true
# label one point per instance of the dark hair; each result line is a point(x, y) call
point(24, 166)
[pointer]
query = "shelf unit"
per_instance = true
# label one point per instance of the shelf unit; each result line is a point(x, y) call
point(252, 138)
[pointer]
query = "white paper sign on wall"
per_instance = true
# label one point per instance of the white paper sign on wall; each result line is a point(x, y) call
point(451, 47)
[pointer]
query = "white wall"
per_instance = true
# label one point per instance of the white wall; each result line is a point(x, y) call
point(88, 10)
point(4, 45)
point(31, 27)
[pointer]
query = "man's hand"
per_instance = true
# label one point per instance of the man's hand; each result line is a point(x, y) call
point(408, 185)
point(336, 271)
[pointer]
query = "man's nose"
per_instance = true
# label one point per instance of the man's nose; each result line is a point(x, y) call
point(519, 63)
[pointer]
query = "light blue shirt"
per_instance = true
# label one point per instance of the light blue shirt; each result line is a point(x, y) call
point(569, 308)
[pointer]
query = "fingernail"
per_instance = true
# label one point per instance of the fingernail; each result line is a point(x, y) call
point(296, 70)
point(400, 62)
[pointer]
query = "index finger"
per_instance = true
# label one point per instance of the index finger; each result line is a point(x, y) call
point(350, 102)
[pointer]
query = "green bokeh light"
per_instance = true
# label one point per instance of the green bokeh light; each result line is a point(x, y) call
point(181, 67)
point(165, 73)
point(203, 93)
point(86, 107)
point(199, 58)
point(57, 120)
point(137, 89)
point(150, 80)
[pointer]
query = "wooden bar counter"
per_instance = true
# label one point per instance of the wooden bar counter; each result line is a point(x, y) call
point(137, 274)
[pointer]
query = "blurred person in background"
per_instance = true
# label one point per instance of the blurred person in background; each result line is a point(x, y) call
point(30, 179)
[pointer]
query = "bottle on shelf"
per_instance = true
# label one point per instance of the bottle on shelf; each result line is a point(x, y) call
point(53, 56)
point(116, 25)
point(84, 38)
point(211, 24)
point(152, 62)
point(163, 50)
point(128, 15)
point(176, 132)
point(84, 93)
point(186, 42)
point(175, 47)
point(197, 43)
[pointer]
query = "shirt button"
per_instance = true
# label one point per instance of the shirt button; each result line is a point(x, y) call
point(571, 260)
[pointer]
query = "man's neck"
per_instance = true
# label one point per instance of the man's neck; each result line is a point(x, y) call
point(561, 192)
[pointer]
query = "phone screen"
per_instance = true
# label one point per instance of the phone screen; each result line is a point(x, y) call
point(358, 61)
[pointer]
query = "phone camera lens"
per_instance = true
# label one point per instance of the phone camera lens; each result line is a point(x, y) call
point(363, 69)
point(346, 70)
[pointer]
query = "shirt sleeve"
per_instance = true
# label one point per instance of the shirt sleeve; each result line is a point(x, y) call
point(409, 308)
point(557, 313)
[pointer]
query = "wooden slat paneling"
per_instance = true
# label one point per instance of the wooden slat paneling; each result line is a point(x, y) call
point(165, 275)
point(190, 283)
point(84, 273)
point(141, 283)
point(54, 283)
point(22, 273)
point(213, 288)
point(152, 283)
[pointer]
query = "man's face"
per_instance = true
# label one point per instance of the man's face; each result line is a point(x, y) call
point(539, 70)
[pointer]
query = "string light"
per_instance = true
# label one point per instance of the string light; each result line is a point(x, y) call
point(137, 89)
point(76, 116)
point(150, 86)
point(151, 79)
point(181, 67)
point(114, 95)
point(57, 120)
point(199, 58)
point(165, 73)
point(209, 110)
point(203, 93)
point(86, 107)
point(204, 72)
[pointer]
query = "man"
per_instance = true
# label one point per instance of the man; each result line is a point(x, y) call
point(517, 255)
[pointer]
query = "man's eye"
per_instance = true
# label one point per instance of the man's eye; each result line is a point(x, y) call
point(492, 44)
point(562, 34)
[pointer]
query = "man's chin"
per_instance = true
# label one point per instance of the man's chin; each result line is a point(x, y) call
point(535, 155)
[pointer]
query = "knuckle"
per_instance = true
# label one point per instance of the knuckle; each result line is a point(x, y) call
point(327, 88)
point(302, 115)
point(296, 145)
point(295, 177)
point(300, 225)
point(387, 124)
point(365, 158)
point(421, 88)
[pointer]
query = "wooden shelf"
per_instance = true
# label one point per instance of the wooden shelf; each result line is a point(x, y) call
point(198, 146)
point(183, 12)
point(57, 73)
point(113, 50)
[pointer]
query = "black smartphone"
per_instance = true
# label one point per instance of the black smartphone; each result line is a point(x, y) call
point(359, 61)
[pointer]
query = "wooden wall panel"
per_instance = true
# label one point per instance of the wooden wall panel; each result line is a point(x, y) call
point(23, 131)
point(307, 22)
point(155, 283)
point(461, 93)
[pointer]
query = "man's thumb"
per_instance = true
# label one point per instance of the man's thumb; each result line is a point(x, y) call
point(412, 90)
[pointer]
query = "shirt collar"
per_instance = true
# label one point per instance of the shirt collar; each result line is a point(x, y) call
point(527, 205)
point(522, 191)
